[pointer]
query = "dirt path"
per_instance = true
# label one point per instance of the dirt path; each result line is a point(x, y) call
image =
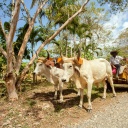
point(114, 115)
point(37, 109)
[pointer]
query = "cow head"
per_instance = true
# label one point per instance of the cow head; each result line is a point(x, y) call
point(71, 66)
point(44, 64)
point(44, 67)
point(39, 66)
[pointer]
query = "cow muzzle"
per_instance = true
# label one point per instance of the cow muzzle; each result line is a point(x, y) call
point(36, 73)
point(63, 80)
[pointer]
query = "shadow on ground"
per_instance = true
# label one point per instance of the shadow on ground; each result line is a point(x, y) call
point(70, 98)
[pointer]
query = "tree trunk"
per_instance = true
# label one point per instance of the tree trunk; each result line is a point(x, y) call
point(84, 48)
point(10, 80)
point(74, 40)
point(34, 78)
point(10, 77)
point(71, 51)
point(66, 49)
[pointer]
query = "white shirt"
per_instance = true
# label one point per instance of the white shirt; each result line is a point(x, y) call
point(116, 60)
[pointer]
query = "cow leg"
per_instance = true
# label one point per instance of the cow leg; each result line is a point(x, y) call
point(81, 97)
point(78, 92)
point(61, 90)
point(89, 89)
point(56, 89)
point(110, 79)
point(105, 89)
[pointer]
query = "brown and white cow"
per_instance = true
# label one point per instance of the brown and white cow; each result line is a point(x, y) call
point(46, 67)
point(85, 73)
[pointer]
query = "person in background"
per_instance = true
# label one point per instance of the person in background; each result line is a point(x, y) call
point(115, 61)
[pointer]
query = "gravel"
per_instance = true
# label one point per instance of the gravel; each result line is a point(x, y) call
point(115, 115)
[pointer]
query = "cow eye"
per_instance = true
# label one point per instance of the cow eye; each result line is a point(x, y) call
point(70, 66)
point(40, 64)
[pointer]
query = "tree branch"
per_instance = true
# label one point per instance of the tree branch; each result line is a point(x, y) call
point(5, 55)
point(14, 20)
point(82, 7)
point(9, 40)
point(1, 27)
point(26, 37)
point(47, 41)
point(27, 12)
point(3, 52)
point(38, 10)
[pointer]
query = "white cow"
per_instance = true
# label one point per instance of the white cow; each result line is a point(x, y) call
point(85, 73)
point(52, 74)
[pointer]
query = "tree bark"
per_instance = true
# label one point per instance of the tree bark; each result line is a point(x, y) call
point(10, 80)
point(10, 77)
point(74, 41)
point(3, 52)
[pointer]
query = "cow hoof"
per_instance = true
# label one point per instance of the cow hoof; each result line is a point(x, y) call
point(114, 95)
point(104, 98)
point(79, 106)
point(89, 110)
point(60, 101)
point(55, 98)
point(78, 94)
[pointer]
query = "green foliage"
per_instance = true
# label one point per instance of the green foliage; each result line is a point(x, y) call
point(2, 38)
point(2, 64)
point(43, 53)
point(7, 26)
point(90, 50)
point(3, 91)
point(59, 11)
point(122, 51)
point(5, 7)
point(23, 65)
point(89, 55)
point(115, 5)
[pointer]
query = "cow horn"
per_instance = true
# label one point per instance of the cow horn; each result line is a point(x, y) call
point(78, 54)
point(48, 55)
point(62, 56)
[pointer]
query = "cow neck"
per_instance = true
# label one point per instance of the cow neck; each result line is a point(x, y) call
point(50, 77)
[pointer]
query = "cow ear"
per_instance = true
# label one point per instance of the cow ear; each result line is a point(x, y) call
point(59, 60)
point(78, 61)
point(77, 71)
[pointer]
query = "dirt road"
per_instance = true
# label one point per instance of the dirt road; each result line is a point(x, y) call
point(115, 115)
